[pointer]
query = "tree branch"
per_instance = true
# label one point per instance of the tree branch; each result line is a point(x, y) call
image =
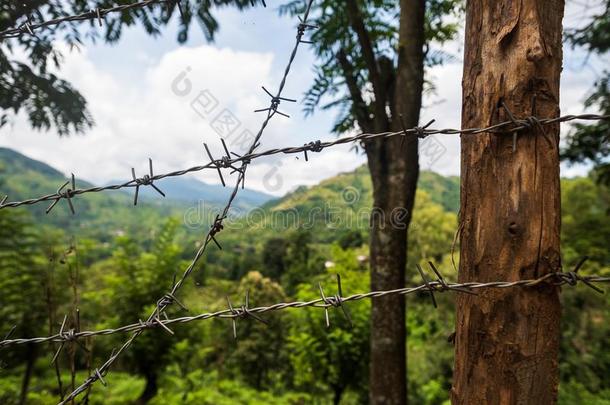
point(359, 107)
point(410, 72)
point(357, 24)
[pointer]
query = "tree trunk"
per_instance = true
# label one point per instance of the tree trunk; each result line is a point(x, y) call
point(337, 394)
point(151, 388)
point(394, 171)
point(507, 340)
point(31, 355)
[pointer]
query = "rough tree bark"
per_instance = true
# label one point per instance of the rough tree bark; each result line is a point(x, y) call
point(31, 356)
point(507, 340)
point(394, 171)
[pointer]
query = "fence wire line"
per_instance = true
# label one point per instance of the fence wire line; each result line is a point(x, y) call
point(29, 27)
point(439, 285)
point(170, 298)
point(229, 162)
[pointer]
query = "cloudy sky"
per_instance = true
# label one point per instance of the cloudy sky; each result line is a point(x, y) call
point(151, 97)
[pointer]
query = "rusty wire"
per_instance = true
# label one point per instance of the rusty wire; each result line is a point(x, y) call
point(98, 14)
point(170, 298)
point(325, 302)
point(228, 162)
point(239, 164)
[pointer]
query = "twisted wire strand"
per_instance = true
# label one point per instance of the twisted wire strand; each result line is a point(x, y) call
point(154, 320)
point(505, 127)
point(95, 14)
point(170, 298)
point(555, 279)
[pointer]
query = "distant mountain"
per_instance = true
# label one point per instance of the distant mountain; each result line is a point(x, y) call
point(13, 162)
point(192, 191)
point(24, 177)
point(339, 204)
point(102, 216)
point(99, 215)
point(109, 213)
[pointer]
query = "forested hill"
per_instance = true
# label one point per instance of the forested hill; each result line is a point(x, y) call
point(127, 257)
point(354, 189)
point(22, 177)
point(101, 215)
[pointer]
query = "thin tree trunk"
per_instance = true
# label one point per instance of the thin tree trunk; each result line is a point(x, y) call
point(507, 340)
point(337, 394)
point(27, 375)
point(151, 388)
point(394, 170)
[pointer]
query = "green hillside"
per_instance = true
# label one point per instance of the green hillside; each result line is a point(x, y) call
point(340, 189)
point(99, 215)
point(336, 211)
point(126, 258)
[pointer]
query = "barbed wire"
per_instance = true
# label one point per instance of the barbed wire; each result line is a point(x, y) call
point(98, 14)
point(555, 279)
point(170, 298)
point(239, 164)
point(229, 162)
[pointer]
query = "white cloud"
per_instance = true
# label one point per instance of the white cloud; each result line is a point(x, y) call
point(445, 107)
point(140, 116)
point(138, 120)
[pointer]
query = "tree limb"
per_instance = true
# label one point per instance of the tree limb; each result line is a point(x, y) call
point(359, 107)
point(357, 24)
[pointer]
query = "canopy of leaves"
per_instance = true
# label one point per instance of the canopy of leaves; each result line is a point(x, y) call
point(295, 359)
point(591, 143)
point(29, 64)
point(335, 38)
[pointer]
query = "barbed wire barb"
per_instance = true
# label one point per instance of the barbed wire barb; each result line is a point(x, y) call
point(68, 194)
point(144, 181)
point(570, 278)
point(28, 27)
point(10, 332)
point(444, 285)
point(242, 312)
point(428, 286)
point(216, 227)
point(100, 378)
point(334, 301)
point(275, 103)
point(502, 128)
point(180, 11)
point(573, 277)
point(61, 346)
point(213, 161)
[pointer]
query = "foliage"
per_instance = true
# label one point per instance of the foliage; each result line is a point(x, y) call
point(295, 359)
point(201, 388)
point(432, 231)
point(332, 360)
point(591, 143)
point(335, 37)
point(133, 280)
point(34, 86)
point(586, 207)
point(249, 357)
point(21, 303)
